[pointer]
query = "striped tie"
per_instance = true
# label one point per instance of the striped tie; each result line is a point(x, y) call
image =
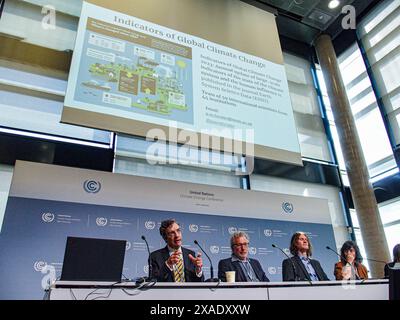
point(178, 271)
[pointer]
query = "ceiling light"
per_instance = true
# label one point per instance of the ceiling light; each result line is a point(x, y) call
point(333, 4)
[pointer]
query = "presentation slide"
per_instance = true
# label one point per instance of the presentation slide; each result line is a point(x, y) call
point(131, 71)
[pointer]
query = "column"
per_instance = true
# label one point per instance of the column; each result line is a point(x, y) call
point(363, 194)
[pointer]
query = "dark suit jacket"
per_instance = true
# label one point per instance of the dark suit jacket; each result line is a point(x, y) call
point(288, 271)
point(387, 266)
point(228, 265)
point(162, 273)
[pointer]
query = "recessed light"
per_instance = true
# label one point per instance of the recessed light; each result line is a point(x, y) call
point(333, 4)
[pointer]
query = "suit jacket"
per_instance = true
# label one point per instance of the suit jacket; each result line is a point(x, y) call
point(162, 273)
point(302, 274)
point(387, 266)
point(361, 270)
point(229, 265)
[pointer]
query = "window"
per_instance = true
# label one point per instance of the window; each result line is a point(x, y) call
point(375, 143)
point(390, 214)
point(32, 95)
point(311, 131)
point(132, 157)
point(380, 36)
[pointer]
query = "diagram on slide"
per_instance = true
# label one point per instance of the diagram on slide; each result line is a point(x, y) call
point(142, 74)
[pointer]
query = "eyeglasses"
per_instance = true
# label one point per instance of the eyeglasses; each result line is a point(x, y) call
point(244, 245)
point(173, 234)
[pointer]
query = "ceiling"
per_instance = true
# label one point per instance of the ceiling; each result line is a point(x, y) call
point(304, 20)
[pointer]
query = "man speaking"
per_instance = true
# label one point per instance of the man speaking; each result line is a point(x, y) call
point(174, 263)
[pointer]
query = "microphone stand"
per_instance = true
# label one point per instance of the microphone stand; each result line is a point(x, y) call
point(149, 279)
point(212, 279)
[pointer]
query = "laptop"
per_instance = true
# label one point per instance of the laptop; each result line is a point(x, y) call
point(88, 259)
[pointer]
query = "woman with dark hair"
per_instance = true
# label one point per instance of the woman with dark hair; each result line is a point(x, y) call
point(350, 266)
point(301, 267)
point(396, 259)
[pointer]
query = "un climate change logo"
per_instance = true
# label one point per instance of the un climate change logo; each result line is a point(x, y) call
point(268, 233)
point(272, 270)
point(39, 265)
point(149, 225)
point(128, 245)
point(48, 217)
point(232, 230)
point(193, 228)
point(101, 222)
point(287, 207)
point(253, 251)
point(91, 186)
point(214, 249)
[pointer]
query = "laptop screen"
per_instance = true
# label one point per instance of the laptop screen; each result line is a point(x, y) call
point(87, 259)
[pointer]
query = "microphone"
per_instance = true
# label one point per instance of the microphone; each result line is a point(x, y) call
point(296, 275)
point(148, 260)
point(334, 251)
point(212, 279)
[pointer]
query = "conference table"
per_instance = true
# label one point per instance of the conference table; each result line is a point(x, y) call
point(324, 290)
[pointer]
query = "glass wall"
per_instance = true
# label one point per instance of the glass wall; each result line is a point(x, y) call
point(375, 143)
point(373, 89)
point(307, 112)
point(380, 36)
point(32, 94)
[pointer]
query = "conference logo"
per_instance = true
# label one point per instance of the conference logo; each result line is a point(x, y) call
point(101, 222)
point(149, 225)
point(48, 217)
point(214, 249)
point(128, 246)
point(39, 265)
point(287, 207)
point(193, 228)
point(253, 251)
point(272, 270)
point(91, 186)
point(268, 233)
point(232, 230)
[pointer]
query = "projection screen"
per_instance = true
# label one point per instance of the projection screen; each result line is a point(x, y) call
point(211, 68)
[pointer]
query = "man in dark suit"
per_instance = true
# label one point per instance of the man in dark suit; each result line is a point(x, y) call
point(246, 270)
point(301, 267)
point(174, 263)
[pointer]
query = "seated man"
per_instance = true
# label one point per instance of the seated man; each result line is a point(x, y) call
point(301, 267)
point(246, 270)
point(174, 263)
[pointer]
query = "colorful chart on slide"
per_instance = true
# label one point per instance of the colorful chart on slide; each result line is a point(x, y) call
point(146, 75)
